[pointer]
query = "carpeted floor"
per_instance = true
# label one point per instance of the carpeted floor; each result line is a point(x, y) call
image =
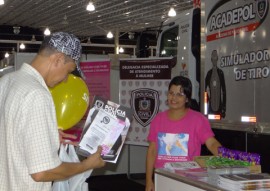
point(113, 183)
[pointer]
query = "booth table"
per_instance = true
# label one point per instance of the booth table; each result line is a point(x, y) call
point(170, 181)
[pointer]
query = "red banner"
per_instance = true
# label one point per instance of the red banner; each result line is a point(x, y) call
point(232, 32)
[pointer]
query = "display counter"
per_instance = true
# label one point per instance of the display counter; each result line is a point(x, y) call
point(170, 181)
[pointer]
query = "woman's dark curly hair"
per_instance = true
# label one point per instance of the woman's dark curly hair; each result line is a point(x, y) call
point(185, 83)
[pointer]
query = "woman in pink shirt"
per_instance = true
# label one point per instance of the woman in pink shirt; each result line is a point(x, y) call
point(177, 133)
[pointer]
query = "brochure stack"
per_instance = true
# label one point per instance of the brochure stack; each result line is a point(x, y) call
point(241, 182)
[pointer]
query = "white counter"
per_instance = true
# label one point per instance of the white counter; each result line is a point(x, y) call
point(169, 181)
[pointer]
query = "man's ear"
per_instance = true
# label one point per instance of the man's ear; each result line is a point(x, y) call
point(57, 59)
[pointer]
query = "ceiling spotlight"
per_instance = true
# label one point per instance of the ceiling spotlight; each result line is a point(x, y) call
point(33, 38)
point(2, 2)
point(47, 32)
point(65, 21)
point(110, 34)
point(171, 12)
point(88, 40)
point(6, 55)
point(16, 30)
point(131, 35)
point(22, 46)
point(90, 6)
point(121, 50)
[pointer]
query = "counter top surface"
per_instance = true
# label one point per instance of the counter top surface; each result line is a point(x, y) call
point(198, 179)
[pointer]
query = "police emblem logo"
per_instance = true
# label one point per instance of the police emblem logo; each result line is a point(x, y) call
point(262, 8)
point(145, 104)
point(99, 104)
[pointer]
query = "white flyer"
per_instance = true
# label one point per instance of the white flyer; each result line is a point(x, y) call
point(105, 130)
point(107, 125)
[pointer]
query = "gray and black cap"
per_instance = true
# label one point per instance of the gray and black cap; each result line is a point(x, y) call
point(68, 44)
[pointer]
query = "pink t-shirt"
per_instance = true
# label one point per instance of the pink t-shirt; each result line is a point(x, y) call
point(179, 140)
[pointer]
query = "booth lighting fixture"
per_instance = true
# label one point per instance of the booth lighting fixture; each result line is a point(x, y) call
point(171, 12)
point(6, 55)
point(214, 117)
point(251, 119)
point(2, 2)
point(22, 46)
point(47, 32)
point(110, 34)
point(121, 50)
point(90, 6)
point(205, 103)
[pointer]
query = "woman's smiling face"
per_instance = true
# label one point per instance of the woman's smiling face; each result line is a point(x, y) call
point(176, 97)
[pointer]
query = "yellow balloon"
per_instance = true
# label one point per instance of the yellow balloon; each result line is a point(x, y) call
point(71, 100)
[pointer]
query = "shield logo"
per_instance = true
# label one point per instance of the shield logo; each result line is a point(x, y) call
point(145, 104)
point(99, 104)
point(262, 7)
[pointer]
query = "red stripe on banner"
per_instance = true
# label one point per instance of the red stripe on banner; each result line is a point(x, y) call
point(231, 32)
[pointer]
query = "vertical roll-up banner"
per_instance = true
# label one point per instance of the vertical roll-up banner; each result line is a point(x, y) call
point(237, 58)
point(97, 79)
point(143, 86)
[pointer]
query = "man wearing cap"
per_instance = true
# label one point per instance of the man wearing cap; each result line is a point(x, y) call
point(29, 138)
